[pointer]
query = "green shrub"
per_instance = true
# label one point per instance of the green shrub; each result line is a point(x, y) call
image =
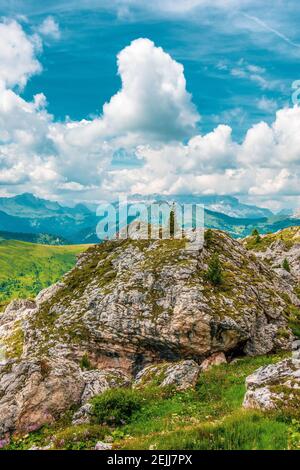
point(85, 362)
point(257, 239)
point(292, 313)
point(286, 265)
point(255, 234)
point(208, 237)
point(116, 406)
point(214, 272)
point(294, 435)
point(296, 290)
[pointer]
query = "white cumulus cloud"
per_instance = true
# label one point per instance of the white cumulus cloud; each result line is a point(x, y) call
point(18, 60)
point(153, 101)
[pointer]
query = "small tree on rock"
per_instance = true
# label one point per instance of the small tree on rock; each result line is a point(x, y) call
point(255, 233)
point(286, 265)
point(172, 223)
point(208, 236)
point(214, 272)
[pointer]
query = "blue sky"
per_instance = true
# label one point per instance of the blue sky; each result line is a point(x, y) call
point(80, 72)
point(240, 59)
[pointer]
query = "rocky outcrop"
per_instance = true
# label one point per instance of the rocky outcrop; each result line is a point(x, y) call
point(281, 251)
point(275, 386)
point(181, 375)
point(36, 392)
point(129, 304)
point(276, 247)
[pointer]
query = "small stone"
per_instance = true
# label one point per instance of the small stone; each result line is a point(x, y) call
point(102, 446)
point(296, 354)
point(97, 381)
point(83, 415)
point(214, 360)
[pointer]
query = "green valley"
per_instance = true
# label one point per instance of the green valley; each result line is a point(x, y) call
point(26, 268)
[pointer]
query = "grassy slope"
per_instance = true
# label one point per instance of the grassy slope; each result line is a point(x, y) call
point(26, 268)
point(210, 417)
point(288, 236)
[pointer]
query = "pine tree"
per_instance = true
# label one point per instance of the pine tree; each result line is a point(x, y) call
point(214, 272)
point(172, 223)
point(286, 265)
point(255, 233)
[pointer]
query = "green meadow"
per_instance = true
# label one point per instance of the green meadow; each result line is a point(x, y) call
point(27, 268)
point(211, 417)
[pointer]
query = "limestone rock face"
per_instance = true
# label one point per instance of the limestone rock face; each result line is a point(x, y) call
point(33, 393)
point(97, 381)
point(181, 375)
point(275, 386)
point(128, 304)
point(275, 247)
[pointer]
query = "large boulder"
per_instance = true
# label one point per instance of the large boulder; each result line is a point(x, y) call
point(34, 393)
point(180, 375)
point(276, 386)
point(132, 303)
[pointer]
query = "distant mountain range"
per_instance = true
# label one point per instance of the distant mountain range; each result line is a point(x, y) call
point(27, 214)
point(28, 218)
point(227, 205)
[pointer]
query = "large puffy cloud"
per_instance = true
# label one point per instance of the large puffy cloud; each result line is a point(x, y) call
point(37, 153)
point(205, 164)
point(23, 136)
point(153, 101)
point(74, 156)
point(17, 54)
point(214, 151)
point(274, 145)
point(265, 163)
